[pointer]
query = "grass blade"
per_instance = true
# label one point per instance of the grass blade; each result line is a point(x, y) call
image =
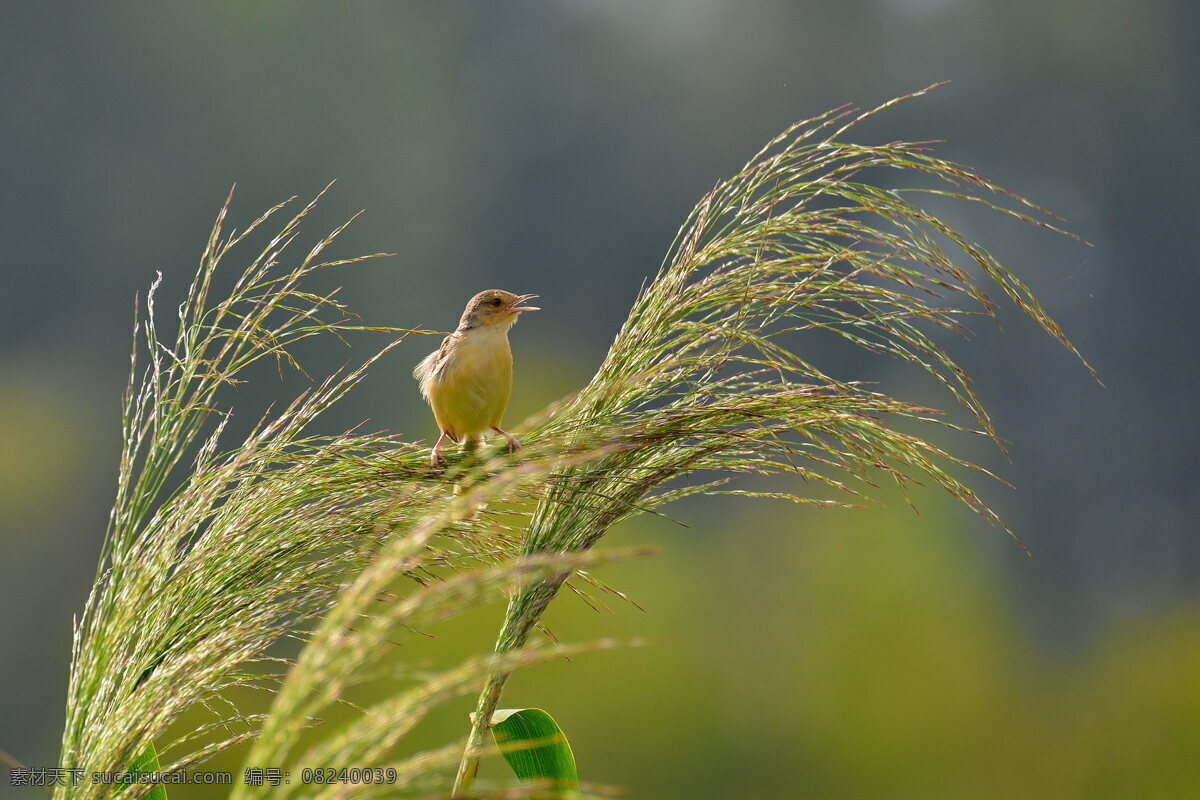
point(536, 749)
point(145, 763)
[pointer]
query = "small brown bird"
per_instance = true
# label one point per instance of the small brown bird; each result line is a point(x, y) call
point(468, 379)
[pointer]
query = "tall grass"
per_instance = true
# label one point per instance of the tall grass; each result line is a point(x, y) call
point(218, 550)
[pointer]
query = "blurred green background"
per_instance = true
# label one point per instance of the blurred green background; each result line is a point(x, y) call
point(555, 147)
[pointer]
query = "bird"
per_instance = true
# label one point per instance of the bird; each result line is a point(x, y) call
point(467, 380)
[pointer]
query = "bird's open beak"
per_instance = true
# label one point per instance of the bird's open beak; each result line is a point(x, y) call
point(516, 306)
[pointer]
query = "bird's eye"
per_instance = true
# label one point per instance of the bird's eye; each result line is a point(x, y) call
point(495, 301)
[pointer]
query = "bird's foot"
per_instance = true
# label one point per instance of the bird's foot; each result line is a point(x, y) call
point(436, 458)
point(513, 444)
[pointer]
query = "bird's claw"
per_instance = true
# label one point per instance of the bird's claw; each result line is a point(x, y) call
point(436, 459)
point(513, 444)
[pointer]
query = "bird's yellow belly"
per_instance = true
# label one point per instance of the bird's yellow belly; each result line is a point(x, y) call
point(470, 395)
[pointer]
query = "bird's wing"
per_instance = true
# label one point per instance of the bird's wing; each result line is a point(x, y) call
point(432, 365)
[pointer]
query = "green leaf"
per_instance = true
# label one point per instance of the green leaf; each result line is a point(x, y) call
point(536, 749)
point(147, 761)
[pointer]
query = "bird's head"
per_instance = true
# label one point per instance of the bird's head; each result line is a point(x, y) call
point(494, 307)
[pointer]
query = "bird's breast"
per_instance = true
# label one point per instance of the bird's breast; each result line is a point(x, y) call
point(470, 392)
point(482, 354)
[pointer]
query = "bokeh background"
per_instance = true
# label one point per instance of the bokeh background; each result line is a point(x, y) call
point(555, 147)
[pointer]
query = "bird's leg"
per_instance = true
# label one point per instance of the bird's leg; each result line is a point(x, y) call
point(513, 444)
point(437, 457)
